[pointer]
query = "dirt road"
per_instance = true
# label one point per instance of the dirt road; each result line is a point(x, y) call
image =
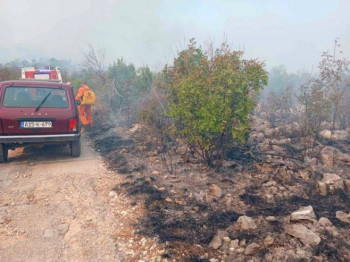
point(56, 208)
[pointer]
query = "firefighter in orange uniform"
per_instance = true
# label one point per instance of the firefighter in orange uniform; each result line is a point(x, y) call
point(84, 108)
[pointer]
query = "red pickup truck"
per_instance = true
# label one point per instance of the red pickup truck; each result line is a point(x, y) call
point(34, 111)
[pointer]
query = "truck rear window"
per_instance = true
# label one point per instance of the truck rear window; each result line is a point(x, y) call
point(18, 96)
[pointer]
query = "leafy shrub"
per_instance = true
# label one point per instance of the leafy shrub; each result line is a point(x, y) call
point(211, 97)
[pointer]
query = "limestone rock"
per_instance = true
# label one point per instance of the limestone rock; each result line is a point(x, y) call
point(280, 142)
point(271, 218)
point(243, 243)
point(225, 243)
point(325, 222)
point(216, 242)
point(246, 223)
point(269, 198)
point(333, 179)
point(322, 188)
point(252, 249)
point(135, 128)
point(215, 190)
point(340, 135)
point(342, 216)
point(327, 134)
point(347, 184)
point(305, 235)
point(331, 189)
point(112, 193)
point(343, 157)
point(182, 150)
point(304, 174)
point(333, 231)
point(310, 161)
point(328, 154)
point(304, 213)
point(228, 202)
point(337, 135)
point(269, 240)
point(234, 244)
point(226, 239)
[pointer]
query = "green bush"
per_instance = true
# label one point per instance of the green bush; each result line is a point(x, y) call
point(211, 97)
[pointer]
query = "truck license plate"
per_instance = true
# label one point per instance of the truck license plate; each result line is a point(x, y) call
point(36, 124)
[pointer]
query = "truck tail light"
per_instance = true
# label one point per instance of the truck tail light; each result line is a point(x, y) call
point(73, 125)
point(0, 126)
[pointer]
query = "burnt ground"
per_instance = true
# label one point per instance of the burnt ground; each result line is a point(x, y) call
point(181, 214)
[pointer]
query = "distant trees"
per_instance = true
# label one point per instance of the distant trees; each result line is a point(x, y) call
point(9, 72)
point(322, 97)
point(280, 78)
point(131, 83)
point(278, 106)
point(311, 101)
point(334, 74)
point(120, 85)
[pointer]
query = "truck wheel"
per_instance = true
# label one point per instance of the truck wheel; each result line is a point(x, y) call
point(75, 148)
point(3, 153)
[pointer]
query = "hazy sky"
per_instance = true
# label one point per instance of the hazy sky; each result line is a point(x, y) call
point(289, 32)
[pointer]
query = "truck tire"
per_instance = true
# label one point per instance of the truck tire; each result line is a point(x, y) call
point(75, 148)
point(3, 153)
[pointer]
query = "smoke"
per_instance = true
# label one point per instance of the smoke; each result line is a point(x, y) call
point(293, 33)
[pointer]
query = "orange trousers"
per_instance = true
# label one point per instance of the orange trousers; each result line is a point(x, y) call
point(85, 115)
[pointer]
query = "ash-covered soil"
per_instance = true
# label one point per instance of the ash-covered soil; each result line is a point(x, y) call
point(271, 204)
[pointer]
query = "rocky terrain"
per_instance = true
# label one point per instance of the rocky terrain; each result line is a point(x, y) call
point(276, 200)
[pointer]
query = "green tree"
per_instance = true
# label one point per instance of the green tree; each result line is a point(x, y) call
point(211, 97)
point(130, 83)
point(316, 107)
point(122, 76)
point(143, 79)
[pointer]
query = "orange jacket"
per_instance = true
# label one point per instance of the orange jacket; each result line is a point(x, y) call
point(81, 92)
